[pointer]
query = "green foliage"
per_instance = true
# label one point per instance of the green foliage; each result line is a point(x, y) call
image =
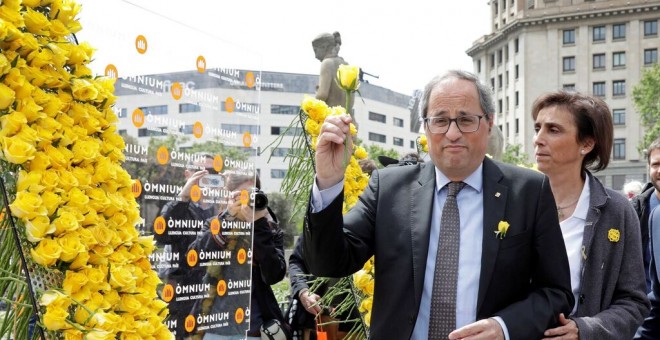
point(283, 208)
point(514, 155)
point(646, 97)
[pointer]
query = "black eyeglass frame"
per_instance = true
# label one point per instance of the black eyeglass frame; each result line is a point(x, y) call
point(453, 120)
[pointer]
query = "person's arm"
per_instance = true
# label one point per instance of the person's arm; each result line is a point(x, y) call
point(650, 329)
point(268, 251)
point(629, 301)
point(298, 272)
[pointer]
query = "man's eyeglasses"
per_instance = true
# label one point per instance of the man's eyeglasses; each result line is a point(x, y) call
point(465, 124)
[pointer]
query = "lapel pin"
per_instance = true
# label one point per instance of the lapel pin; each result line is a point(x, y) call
point(497, 194)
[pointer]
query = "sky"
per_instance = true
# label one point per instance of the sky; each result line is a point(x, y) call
point(405, 43)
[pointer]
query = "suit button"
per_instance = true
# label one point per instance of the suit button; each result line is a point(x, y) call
point(581, 299)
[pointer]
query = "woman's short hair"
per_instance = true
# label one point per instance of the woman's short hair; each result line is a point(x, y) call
point(592, 118)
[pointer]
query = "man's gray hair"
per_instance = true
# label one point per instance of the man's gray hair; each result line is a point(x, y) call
point(485, 94)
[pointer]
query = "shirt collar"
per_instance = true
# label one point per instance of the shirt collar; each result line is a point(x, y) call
point(475, 180)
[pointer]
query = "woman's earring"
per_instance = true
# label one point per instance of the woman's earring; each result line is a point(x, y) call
point(582, 151)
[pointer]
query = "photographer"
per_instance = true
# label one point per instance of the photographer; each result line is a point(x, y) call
point(183, 209)
point(268, 263)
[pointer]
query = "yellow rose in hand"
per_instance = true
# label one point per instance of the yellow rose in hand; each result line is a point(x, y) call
point(360, 153)
point(38, 227)
point(28, 205)
point(312, 127)
point(16, 150)
point(347, 77)
point(46, 252)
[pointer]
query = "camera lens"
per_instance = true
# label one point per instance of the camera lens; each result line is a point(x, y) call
point(259, 199)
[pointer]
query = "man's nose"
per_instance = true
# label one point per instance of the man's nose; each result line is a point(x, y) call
point(453, 132)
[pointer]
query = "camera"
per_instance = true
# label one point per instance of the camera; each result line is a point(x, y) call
point(212, 181)
point(258, 199)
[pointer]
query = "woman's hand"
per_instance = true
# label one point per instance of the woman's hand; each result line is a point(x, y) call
point(567, 331)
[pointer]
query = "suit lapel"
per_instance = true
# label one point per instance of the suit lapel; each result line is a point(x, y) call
point(421, 210)
point(495, 197)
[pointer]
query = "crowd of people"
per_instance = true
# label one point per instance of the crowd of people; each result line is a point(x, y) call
point(465, 246)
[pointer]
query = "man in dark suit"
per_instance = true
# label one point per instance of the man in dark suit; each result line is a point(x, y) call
point(509, 285)
point(650, 329)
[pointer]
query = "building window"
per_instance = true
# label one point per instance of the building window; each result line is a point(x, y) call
point(619, 149)
point(516, 45)
point(499, 105)
point(280, 152)
point(377, 137)
point(650, 56)
point(123, 132)
point(154, 110)
point(479, 66)
point(241, 128)
point(598, 33)
point(499, 57)
point(599, 89)
point(619, 117)
point(569, 64)
point(499, 81)
point(599, 61)
point(492, 60)
point(650, 28)
point(287, 131)
point(492, 83)
point(569, 37)
point(152, 132)
point(412, 144)
point(516, 73)
point(506, 53)
point(619, 59)
point(397, 141)
point(397, 122)
point(517, 126)
point(284, 109)
point(277, 173)
point(187, 107)
point(377, 117)
point(517, 100)
point(618, 31)
point(568, 87)
point(619, 88)
point(122, 113)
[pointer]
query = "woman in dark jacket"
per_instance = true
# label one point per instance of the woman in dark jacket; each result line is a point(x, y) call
point(600, 228)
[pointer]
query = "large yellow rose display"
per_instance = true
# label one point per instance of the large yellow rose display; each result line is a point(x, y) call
point(70, 197)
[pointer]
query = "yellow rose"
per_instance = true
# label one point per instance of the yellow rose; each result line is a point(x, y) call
point(29, 181)
point(147, 243)
point(27, 205)
point(84, 90)
point(5, 64)
point(72, 334)
point(55, 318)
point(366, 304)
point(71, 246)
point(73, 281)
point(36, 22)
point(85, 150)
point(96, 334)
point(38, 227)
point(65, 222)
point(360, 153)
point(102, 234)
point(54, 297)
point(347, 77)
point(502, 228)
point(16, 150)
point(129, 303)
point(353, 130)
point(77, 198)
point(40, 162)
point(361, 279)
point(144, 329)
point(312, 127)
point(46, 252)
point(12, 123)
point(80, 261)
point(51, 201)
point(367, 318)
point(28, 135)
point(121, 277)
point(67, 179)
point(7, 96)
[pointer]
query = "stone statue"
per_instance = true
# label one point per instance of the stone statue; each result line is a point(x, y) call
point(495, 143)
point(326, 49)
